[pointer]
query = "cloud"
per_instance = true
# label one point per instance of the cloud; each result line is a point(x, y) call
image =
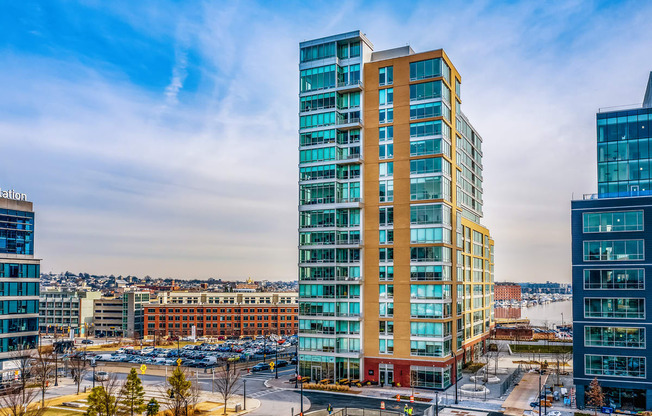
point(161, 138)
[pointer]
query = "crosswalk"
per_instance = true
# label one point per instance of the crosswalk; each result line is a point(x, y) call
point(264, 392)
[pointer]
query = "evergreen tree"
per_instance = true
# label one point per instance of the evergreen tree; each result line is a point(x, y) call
point(132, 395)
point(153, 407)
point(179, 392)
point(101, 403)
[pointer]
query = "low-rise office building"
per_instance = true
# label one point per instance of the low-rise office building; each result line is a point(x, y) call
point(121, 316)
point(65, 311)
point(507, 291)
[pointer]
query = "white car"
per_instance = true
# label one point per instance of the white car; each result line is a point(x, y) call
point(554, 413)
point(101, 376)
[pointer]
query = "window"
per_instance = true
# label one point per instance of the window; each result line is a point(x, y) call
point(386, 273)
point(436, 273)
point(386, 216)
point(318, 78)
point(429, 128)
point(430, 235)
point(386, 115)
point(386, 96)
point(430, 310)
point(318, 102)
point(386, 191)
point(386, 75)
point(436, 187)
point(429, 147)
point(312, 53)
point(430, 214)
point(386, 254)
point(615, 365)
point(614, 250)
point(604, 222)
point(317, 120)
point(428, 110)
point(386, 291)
point(619, 308)
point(386, 346)
point(434, 254)
point(386, 236)
point(427, 91)
point(614, 279)
point(430, 329)
point(386, 327)
point(429, 165)
point(430, 348)
point(386, 169)
point(425, 69)
point(385, 133)
point(386, 151)
point(386, 309)
point(603, 336)
point(436, 291)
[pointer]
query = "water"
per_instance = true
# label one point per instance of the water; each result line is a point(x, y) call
point(549, 314)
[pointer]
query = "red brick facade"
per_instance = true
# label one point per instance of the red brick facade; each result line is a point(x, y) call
point(209, 320)
point(507, 292)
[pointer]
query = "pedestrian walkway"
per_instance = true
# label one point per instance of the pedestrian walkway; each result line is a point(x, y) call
point(523, 394)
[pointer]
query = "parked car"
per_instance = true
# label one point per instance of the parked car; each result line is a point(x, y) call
point(87, 341)
point(101, 376)
point(281, 363)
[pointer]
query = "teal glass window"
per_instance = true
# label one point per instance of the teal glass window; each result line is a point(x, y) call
point(614, 250)
point(614, 366)
point(386, 169)
point(620, 308)
point(425, 91)
point(386, 75)
point(430, 235)
point(430, 214)
point(312, 53)
point(614, 337)
point(429, 128)
point(611, 279)
point(430, 310)
point(435, 187)
point(435, 273)
point(317, 120)
point(429, 165)
point(429, 147)
point(436, 109)
point(317, 78)
point(386, 151)
point(386, 96)
point(604, 222)
point(386, 115)
point(386, 191)
point(386, 273)
point(385, 133)
point(430, 291)
point(430, 254)
point(430, 68)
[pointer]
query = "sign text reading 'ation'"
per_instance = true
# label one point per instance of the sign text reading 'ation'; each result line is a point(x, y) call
point(11, 194)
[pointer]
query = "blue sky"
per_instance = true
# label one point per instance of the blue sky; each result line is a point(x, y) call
point(160, 137)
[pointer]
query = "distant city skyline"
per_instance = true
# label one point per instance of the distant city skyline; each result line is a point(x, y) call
point(158, 138)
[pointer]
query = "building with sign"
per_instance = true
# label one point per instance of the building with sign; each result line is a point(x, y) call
point(395, 269)
point(611, 260)
point(19, 276)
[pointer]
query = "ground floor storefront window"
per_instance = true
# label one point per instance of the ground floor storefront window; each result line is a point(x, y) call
point(624, 398)
point(430, 377)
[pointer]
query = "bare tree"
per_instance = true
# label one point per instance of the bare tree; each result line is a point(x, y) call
point(43, 369)
point(595, 396)
point(78, 369)
point(226, 382)
point(20, 402)
point(23, 360)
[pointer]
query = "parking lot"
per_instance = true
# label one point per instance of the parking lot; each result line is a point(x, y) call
point(206, 354)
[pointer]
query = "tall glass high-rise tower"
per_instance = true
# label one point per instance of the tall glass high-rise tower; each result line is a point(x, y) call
point(611, 252)
point(395, 270)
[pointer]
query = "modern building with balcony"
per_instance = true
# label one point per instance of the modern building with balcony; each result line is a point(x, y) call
point(19, 276)
point(611, 253)
point(395, 270)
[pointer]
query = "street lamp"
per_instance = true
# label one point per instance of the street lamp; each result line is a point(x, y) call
point(244, 393)
point(296, 369)
point(455, 375)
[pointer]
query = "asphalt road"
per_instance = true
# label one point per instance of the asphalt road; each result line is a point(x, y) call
point(320, 401)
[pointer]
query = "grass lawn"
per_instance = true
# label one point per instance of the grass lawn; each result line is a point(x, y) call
point(543, 349)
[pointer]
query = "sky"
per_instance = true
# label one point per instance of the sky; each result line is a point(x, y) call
point(160, 137)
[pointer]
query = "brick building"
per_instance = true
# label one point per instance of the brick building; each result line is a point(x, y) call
point(507, 291)
point(228, 314)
